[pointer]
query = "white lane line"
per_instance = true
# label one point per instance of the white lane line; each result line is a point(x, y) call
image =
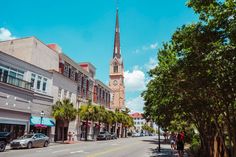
point(60, 151)
point(79, 151)
point(45, 150)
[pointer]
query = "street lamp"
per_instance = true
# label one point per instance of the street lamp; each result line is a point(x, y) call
point(41, 115)
point(159, 132)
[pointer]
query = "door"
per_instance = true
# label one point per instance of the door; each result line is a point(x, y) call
point(41, 140)
point(36, 140)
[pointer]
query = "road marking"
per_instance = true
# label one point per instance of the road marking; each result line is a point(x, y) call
point(60, 151)
point(79, 151)
point(43, 150)
point(112, 150)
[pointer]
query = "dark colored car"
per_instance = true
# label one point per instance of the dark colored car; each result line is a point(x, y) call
point(105, 135)
point(5, 138)
point(30, 140)
point(113, 136)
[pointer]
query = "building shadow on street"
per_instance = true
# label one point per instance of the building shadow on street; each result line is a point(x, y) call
point(156, 141)
point(164, 152)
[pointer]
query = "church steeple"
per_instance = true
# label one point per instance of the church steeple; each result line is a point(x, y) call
point(116, 51)
point(116, 82)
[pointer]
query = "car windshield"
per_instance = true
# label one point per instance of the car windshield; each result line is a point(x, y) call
point(26, 136)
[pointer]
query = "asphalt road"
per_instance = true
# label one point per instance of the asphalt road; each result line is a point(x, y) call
point(124, 147)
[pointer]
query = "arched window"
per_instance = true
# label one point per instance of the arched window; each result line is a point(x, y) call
point(115, 68)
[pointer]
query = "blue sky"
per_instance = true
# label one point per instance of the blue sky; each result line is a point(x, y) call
point(84, 29)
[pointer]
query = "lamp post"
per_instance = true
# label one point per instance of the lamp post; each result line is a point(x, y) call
point(159, 132)
point(41, 115)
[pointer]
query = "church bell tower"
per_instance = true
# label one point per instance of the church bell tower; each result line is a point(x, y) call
point(116, 82)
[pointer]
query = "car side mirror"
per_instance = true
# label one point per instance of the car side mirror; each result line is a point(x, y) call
point(34, 137)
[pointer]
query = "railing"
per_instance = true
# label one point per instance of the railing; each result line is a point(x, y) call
point(15, 81)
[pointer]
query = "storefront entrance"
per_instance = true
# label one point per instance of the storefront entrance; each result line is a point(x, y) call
point(15, 122)
point(16, 130)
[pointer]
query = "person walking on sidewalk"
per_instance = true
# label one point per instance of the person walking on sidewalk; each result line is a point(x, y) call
point(173, 140)
point(180, 144)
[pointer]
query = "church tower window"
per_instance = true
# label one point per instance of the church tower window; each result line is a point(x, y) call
point(115, 68)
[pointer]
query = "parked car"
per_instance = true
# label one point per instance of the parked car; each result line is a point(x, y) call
point(105, 135)
point(30, 140)
point(136, 134)
point(113, 136)
point(5, 138)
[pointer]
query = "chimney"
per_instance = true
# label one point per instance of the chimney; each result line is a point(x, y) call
point(55, 47)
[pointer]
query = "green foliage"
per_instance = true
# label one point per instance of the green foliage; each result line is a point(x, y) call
point(148, 128)
point(64, 110)
point(193, 85)
point(100, 114)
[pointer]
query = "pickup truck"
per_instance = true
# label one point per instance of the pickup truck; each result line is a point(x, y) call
point(5, 138)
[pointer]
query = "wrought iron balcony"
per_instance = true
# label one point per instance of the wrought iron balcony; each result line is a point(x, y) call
point(15, 81)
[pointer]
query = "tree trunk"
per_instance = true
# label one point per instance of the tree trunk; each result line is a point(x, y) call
point(86, 130)
point(63, 124)
point(79, 129)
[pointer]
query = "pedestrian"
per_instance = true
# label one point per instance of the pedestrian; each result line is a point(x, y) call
point(73, 136)
point(173, 141)
point(180, 143)
point(164, 134)
point(69, 135)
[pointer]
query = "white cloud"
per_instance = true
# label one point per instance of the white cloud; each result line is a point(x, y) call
point(144, 48)
point(134, 80)
point(137, 51)
point(152, 63)
point(135, 104)
point(152, 46)
point(5, 34)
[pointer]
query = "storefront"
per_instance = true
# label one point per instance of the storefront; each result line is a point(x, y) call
point(15, 122)
point(41, 125)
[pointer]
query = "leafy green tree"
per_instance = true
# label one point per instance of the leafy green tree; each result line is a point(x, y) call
point(194, 82)
point(86, 112)
point(65, 112)
point(148, 128)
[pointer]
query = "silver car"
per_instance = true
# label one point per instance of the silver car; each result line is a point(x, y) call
point(30, 140)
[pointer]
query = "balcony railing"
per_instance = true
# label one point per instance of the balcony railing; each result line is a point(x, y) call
point(15, 81)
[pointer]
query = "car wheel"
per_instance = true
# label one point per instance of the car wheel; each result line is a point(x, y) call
point(2, 146)
point(29, 145)
point(45, 144)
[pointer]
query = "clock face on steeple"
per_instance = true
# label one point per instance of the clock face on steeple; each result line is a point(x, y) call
point(115, 82)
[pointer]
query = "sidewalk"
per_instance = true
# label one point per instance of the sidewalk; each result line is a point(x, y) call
point(166, 151)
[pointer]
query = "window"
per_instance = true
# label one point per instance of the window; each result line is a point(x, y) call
point(39, 82)
point(44, 84)
point(13, 74)
point(59, 93)
point(32, 79)
point(115, 68)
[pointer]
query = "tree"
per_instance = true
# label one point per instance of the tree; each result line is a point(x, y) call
point(86, 112)
point(194, 82)
point(64, 111)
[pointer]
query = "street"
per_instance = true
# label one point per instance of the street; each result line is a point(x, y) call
point(124, 147)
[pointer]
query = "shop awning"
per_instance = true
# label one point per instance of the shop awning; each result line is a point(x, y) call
point(42, 121)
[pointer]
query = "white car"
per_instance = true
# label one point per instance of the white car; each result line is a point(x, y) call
point(136, 134)
point(30, 140)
